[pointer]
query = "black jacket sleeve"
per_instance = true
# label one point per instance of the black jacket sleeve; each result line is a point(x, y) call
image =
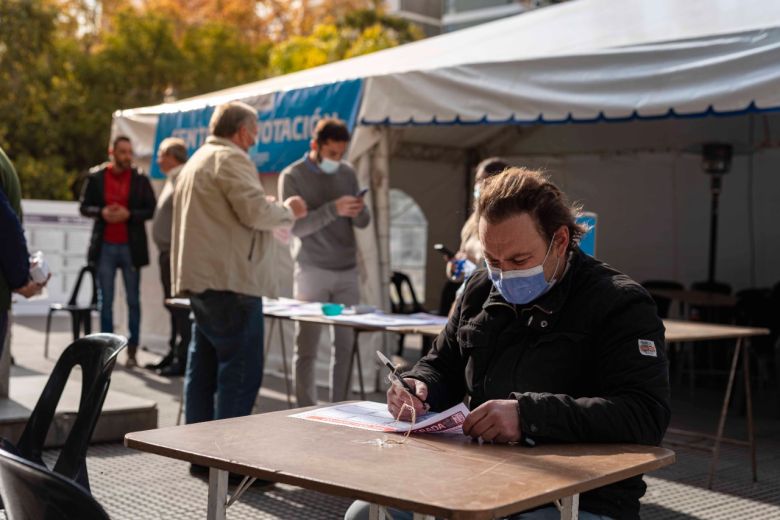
point(14, 259)
point(442, 369)
point(92, 201)
point(633, 388)
point(146, 201)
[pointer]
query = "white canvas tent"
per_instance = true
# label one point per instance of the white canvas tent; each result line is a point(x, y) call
point(640, 84)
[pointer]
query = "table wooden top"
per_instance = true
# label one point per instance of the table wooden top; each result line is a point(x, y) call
point(325, 320)
point(440, 475)
point(678, 330)
point(425, 330)
point(179, 303)
point(697, 298)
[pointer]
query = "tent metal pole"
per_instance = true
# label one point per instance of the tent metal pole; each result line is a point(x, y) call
point(715, 185)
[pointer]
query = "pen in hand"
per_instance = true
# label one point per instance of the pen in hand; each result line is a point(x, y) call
point(395, 377)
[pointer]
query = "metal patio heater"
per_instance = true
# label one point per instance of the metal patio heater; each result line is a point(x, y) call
point(715, 161)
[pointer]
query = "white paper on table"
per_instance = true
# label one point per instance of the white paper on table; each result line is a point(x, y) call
point(369, 415)
point(291, 308)
point(378, 319)
point(430, 319)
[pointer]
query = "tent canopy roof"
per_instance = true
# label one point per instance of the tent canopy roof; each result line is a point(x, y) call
point(590, 32)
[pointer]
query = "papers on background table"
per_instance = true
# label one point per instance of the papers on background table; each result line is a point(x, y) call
point(380, 319)
point(430, 319)
point(368, 415)
point(288, 308)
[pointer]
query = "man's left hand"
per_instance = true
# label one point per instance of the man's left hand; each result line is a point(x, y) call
point(494, 421)
point(122, 213)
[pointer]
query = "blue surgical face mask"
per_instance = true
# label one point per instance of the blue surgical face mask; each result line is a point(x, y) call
point(329, 165)
point(524, 285)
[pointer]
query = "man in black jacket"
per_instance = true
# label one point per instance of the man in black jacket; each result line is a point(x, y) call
point(120, 199)
point(547, 344)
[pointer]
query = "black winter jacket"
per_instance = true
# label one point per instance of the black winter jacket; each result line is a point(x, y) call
point(579, 360)
point(141, 205)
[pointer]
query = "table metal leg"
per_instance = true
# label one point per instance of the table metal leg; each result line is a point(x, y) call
point(356, 348)
point(570, 507)
point(749, 412)
point(277, 324)
point(355, 354)
point(181, 404)
point(377, 512)
point(349, 369)
point(287, 385)
point(218, 480)
point(724, 413)
point(268, 337)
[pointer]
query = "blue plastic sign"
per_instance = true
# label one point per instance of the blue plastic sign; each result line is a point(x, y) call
point(285, 121)
point(588, 240)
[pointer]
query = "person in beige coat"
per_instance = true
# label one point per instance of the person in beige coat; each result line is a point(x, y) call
point(223, 259)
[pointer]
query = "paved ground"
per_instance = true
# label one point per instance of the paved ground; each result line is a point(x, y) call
point(133, 485)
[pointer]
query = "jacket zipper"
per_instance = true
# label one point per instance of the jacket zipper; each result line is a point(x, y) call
point(252, 247)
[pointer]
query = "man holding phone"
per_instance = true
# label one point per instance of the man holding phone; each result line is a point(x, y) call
point(326, 258)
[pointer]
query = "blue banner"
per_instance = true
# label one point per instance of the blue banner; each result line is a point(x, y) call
point(285, 120)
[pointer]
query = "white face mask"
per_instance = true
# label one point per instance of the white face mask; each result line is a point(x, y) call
point(329, 165)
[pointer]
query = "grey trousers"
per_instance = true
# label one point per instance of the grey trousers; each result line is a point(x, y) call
point(321, 285)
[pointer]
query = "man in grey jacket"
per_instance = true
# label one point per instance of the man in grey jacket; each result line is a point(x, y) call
point(326, 261)
point(171, 156)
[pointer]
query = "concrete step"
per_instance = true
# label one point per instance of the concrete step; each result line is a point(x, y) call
point(122, 413)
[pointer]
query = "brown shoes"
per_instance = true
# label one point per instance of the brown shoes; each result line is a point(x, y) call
point(131, 361)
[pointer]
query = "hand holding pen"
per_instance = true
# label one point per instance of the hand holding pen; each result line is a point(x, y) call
point(400, 392)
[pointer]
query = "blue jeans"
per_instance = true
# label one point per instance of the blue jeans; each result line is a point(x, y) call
point(113, 257)
point(225, 357)
point(359, 511)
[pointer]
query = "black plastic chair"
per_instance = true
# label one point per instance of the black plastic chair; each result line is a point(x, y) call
point(661, 303)
point(774, 302)
point(32, 492)
point(755, 309)
point(711, 314)
point(449, 293)
point(80, 315)
point(400, 281)
point(96, 355)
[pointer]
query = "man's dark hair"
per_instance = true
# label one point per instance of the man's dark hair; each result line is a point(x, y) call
point(517, 191)
point(490, 167)
point(330, 129)
point(118, 139)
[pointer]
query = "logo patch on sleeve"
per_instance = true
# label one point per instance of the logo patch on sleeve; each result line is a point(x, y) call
point(647, 348)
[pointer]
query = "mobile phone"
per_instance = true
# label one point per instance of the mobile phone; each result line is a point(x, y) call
point(445, 252)
point(362, 193)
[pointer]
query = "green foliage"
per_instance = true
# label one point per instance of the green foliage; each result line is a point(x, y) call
point(304, 52)
point(64, 71)
point(45, 179)
point(39, 97)
point(217, 57)
point(359, 32)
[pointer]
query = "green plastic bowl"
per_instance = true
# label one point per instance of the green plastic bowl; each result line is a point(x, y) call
point(332, 309)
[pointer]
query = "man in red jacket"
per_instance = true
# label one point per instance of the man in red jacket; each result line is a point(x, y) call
point(120, 199)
